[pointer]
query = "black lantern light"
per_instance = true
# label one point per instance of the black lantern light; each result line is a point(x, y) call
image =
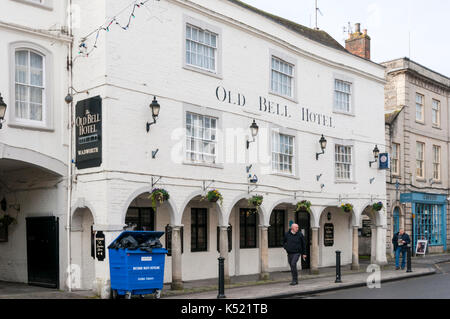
point(155, 107)
point(376, 154)
point(254, 128)
point(3, 107)
point(323, 146)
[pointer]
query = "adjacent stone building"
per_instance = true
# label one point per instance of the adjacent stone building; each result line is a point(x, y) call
point(417, 136)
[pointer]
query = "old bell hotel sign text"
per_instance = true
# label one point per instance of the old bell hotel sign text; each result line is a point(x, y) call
point(88, 127)
point(267, 106)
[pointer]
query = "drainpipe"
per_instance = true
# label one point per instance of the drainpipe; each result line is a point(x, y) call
point(69, 161)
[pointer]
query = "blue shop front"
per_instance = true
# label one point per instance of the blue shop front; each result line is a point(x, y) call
point(429, 218)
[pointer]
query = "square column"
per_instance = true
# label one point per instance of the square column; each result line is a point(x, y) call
point(355, 249)
point(314, 251)
point(177, 281)
point(223, 249)
point(264, 253)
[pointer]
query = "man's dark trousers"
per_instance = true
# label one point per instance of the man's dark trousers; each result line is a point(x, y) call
point(292, 260)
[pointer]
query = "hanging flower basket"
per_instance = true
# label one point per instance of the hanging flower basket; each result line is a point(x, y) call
point(214, 196)
point(377, 206)
point(256, 200)
point(7, 220)
point(304, 205)
point(347, 207)
point(159, 195)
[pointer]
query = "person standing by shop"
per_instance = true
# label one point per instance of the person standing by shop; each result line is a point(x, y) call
point(400, 241)
point(294, 244)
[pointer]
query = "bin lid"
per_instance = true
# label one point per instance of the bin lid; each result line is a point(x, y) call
point(140, 236)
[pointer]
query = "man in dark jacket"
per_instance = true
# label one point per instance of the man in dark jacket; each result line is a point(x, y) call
point(294, 244)
point(400, 241)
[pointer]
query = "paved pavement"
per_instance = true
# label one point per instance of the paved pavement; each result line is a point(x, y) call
point(429, 287)
point(248, 287)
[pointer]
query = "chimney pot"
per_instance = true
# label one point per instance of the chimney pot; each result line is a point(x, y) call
point(357, 27)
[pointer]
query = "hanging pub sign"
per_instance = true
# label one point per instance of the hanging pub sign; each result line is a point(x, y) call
point(100, 246)
point(328, 235)
point(88, 136)
point(383, 161)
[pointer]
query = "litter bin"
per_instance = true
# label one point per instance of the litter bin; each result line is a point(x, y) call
point(136, 264)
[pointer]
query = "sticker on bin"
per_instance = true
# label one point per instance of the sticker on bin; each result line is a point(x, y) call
point(145, 278)
point(146, 258)
point(147, 268)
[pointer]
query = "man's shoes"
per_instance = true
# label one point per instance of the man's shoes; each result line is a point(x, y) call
point(397, 268)
point(293, 283)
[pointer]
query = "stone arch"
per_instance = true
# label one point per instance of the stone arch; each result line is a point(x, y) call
point(175, 219)
point(261, 210)
point(290, 201)
point(219, 209)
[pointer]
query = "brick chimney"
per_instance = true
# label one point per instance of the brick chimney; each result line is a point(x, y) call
point(359, 43)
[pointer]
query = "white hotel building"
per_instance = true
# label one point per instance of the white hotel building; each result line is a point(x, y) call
point(214, 68)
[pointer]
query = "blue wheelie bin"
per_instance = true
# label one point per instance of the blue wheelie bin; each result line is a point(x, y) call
point(136, 264)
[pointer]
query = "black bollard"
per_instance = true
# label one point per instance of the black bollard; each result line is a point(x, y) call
point(338, 267)
point(221, 294)
point(408, 259)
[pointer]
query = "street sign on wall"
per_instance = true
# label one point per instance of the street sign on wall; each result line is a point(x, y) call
point(384, 161)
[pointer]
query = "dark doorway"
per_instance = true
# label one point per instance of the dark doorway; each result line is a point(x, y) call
point(303, 219)
point(43, 251)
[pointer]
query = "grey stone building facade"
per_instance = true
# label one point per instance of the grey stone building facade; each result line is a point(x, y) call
point(417, 137)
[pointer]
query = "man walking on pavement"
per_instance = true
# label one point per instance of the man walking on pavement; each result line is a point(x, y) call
point(400, 241)
point(294, 244)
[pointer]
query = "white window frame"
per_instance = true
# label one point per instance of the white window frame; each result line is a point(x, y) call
point(285, 58)
point(47, 107)
point(395, 168)
point(437, 163)
point(349, 80)
point(277, 134)
point(421, 160)
point(437, 103)
point(422, 119)
point(204, 111)
point(187, 20)
point(352, 163)
point(43, 4)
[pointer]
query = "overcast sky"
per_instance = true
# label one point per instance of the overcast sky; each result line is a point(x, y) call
point(390, 24)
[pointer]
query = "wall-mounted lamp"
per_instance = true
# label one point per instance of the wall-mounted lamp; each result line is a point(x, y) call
point(155, 107)
point(253, 179)
point(3, 107)
point(154, 153)
point(254, 128)
point(323, 146)
point(248, 168)
point(371, 180)
point(318, 177)
point(376, 153)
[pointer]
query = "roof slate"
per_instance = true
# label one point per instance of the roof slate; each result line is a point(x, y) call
point(312, 34)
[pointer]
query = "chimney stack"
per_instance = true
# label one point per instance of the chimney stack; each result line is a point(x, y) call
point(359, 43)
